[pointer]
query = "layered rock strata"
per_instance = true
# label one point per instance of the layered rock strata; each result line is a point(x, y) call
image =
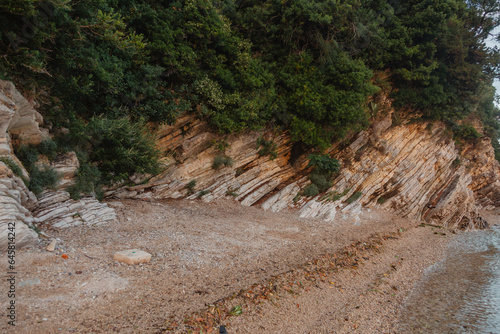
point(412, 169)
point(58, 210)
point(20, 125)
point(15, 202)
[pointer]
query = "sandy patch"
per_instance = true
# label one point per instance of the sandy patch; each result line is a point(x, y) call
point(203, 253)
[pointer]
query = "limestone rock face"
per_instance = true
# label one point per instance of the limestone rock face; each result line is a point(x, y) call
point(412, 169)
point(19, 124)
point(66, 165)
point(18, 117)
point(57, 209)
point(15, 199)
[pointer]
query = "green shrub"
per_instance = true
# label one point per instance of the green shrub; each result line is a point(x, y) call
point(333, 196)
point(324, 164)
point(14, 167)
point(191, 187)
point(222, 160)
point(42, 178)
point(310, 191)
point(381, 200)
point(202, 193)
point(324, 168)
point(231, 193)
point(87, 182)
point(220, 145)
point(465, 132)
point(28, 154)
point(48, 148)
point(121, 148)
point(297, 197)
point(456, 162)
point(354, 197)
point(320, 181)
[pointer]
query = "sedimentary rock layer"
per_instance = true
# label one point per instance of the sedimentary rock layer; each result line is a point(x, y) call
point(412, 169)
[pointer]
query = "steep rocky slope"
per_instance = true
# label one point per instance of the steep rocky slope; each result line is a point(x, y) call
point(20, 124)
point(412, 168)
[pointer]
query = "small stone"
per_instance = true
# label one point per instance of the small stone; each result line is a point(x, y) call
point(29, 282)
point(116, 205)
point(52, 246)
point(132, 256)
point(78, 272)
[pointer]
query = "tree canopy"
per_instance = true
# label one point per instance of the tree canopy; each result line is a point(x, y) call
point(305, 65)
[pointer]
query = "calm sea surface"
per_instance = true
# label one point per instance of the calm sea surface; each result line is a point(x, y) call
point(460, 294)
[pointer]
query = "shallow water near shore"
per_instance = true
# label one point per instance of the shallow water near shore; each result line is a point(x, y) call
point(461, 293)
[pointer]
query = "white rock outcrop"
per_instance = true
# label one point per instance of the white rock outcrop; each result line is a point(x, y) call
point(15, 199)
point(17, 118)
point(413, 169)
point(58, 210)
point(20, 124)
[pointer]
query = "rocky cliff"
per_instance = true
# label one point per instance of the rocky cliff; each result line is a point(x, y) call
point(412, 168)
point(20, 124)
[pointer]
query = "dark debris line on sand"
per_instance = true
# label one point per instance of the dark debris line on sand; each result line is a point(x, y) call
point(294, 281)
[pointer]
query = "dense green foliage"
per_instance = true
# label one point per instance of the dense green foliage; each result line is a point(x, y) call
point(324, 164)
point(324, 167)
point(87, 181)
point(100, 68)
point(42, 176)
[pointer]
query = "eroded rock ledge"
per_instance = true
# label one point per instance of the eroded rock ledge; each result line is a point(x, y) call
point(20, 124)
point(412, 169)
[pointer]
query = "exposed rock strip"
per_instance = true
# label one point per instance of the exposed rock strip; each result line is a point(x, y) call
point(58, 210)
point(18, 118)
point(413, 169)
point(20, 124)
point(15, 199)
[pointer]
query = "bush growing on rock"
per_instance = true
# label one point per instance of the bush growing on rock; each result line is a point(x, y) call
point(222, 160)
point(87, 182)
point(354, 197)
point(310, 191)
point(322, 182)
point(324, 168)
point(267, 147)
point(42, 176)
point(14, 167)
point(191, 186)
point(324, 164)
point(121, 148)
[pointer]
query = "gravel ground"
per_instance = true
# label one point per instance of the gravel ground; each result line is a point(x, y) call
point(204, 253)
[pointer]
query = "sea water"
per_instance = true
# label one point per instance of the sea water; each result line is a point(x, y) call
point(460, 294)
